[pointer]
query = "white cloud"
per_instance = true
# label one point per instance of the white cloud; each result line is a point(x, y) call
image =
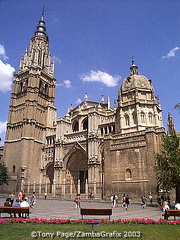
point(67, 83)
point(6, 76)
point(3, 53)
point(56, 59)
point(2, 126)
point(172, 52)
point(78, 101)
point(99, 76)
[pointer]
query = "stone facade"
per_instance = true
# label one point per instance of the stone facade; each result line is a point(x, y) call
point(94, 147)
point(31, 113)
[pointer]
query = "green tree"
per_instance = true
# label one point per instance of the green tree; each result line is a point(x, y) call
point(168, 164)
point(3, 174)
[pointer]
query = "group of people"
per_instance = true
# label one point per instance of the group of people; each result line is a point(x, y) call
point(125, 201)
point(114, 201)
point(21, 200)
point(165, 204)
point(163, 198)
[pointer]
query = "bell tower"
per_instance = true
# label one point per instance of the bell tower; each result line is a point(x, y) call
point(31, 113)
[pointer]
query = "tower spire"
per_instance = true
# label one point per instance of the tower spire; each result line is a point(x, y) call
point(41, 28)
point(43, 13)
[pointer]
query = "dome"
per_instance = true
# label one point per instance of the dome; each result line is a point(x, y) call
point(135, 80)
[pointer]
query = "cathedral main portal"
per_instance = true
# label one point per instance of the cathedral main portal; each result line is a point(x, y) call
point(77, 170)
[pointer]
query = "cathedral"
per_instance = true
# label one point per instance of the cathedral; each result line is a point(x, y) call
point(93, 148)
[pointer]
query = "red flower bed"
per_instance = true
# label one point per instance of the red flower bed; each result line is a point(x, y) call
point(68, 221)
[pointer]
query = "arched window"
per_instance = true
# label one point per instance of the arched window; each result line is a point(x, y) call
point(134, 118)
point(105, 130)
point(75, 126)
point(45, 88)
point(127, 122)
point(102, 132)
point(142, 116)
point(21, 86)
point(150, 117)
point(14, 168)
point(85, 124)
point(40, 85)
point(128, 173)
point(113, 128)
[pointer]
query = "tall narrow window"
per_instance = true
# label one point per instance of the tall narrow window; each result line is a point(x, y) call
point(21, 86)
point(150, 118)
point(127, 122)
point(142, 115)
point(40, 85)
point(102, 132)
point(134, 118)
point(45, 88)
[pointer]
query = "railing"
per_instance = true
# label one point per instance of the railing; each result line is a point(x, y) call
point(65, 190)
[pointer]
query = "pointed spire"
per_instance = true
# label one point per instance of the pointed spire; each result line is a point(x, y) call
point(134, 68)
point(85, 97)
point(158, 101)
point(42, 18)
point(108, 102)
point(68, 110)
point(71, 107)
point(41, 28)
point(102, 99)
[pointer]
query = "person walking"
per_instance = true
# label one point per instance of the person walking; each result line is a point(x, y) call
point(159, 202)
point(77, 200)
point(127, 201)
point(143, 199)
point(151, 199)
point(123, 201)
point(32, 200)
point(45, 195)
point(91, 196)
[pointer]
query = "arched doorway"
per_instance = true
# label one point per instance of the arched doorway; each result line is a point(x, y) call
point(77, 169)
point(50, 174)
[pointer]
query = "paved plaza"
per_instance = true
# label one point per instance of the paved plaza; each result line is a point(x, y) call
point(65, 209)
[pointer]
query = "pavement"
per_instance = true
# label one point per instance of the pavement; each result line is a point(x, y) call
point(65, 209)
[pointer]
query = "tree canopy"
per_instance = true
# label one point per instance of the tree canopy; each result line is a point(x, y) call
point(168, 164)
point(3, 174)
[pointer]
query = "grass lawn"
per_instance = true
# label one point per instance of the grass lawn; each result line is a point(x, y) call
point(21, 231)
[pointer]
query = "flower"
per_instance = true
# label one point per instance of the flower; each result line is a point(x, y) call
point(83, 221)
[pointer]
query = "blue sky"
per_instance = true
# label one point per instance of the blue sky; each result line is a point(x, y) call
point(92, 42)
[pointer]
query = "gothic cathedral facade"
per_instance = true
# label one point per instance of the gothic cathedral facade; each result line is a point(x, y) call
point(94, 147)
